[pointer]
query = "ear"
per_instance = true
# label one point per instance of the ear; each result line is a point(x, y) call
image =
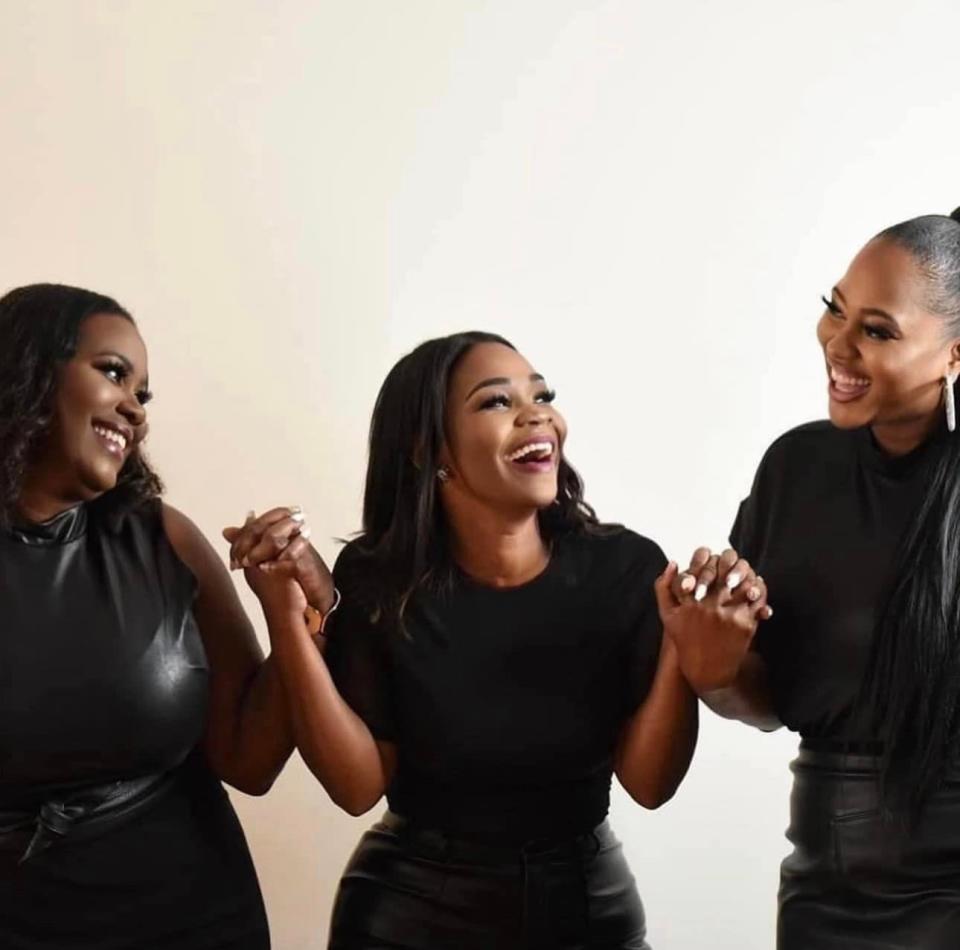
point(954, 356)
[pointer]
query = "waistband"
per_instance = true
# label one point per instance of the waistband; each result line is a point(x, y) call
point(437, 844)
point(83, 814)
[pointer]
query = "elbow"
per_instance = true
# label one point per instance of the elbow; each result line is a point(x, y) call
point(355, 803)
point(652, 798)
point(254, 785)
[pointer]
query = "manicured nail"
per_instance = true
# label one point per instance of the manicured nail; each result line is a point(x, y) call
point(753, 593)
point(687, 583)
point(733, 580)
point(297, 515)
point(305, 532)
point(700, 592)
point(769, 612)
point(251, 515)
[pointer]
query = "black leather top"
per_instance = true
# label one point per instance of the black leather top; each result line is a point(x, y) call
point(103, 675)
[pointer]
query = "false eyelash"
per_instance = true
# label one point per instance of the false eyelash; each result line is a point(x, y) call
point(830, 305)
point(547, 395)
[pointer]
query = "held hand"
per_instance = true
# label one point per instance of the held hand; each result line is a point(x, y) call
point(276, 546)
point(710, 613)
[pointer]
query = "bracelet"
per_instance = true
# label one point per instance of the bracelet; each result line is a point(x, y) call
point(324, 616)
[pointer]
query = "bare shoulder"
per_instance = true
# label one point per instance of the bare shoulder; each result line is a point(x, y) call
point(189, 542)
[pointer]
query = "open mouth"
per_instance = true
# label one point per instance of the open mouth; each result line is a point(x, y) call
point(845, 387)
point(534, 457)
point(114, 441)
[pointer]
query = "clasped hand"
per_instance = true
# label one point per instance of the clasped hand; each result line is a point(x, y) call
point(710, 613)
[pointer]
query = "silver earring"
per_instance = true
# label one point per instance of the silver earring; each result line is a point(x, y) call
point(949, 402)
point(443, 473)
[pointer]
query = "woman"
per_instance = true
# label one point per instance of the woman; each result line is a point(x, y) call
point(496, 657)
point(132, 682)
point(855, 524)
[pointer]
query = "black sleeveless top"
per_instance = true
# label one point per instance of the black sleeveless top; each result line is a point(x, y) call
point(104, 680)
point(102, 672)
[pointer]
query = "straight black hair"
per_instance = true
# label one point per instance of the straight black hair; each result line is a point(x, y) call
point(911, 689)
point(404, 531)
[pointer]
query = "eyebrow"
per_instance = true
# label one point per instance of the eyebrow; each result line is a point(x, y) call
point(870, 311)
point(501, 381)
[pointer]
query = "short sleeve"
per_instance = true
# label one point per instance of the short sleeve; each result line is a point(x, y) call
point(747, 536)
point(357, 652)
point(646, 632)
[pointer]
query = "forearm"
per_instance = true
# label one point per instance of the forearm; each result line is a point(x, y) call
point(657, 743)
point(334, 741)
point(748, 698)
point(262, 739)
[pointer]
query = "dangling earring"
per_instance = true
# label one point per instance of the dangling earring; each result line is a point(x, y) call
point(443, 473)
point(949, 402)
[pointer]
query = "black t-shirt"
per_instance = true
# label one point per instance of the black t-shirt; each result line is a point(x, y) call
point(506, 704)
point(823, 525)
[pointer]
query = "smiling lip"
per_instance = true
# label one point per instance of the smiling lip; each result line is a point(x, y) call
point(845, 386)
point(535, 455)
point(116, 439)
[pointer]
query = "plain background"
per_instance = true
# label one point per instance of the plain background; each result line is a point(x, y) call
point(648, 198)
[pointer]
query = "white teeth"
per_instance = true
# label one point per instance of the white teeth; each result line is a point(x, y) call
point(543, 448)
point(851, 381)
point(111, 435)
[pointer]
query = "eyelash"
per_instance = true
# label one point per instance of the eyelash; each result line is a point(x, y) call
point(875, 333)
point(502, 400)
point(143, 395)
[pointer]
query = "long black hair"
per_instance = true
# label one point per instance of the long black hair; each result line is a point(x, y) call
point(39, 330)
point(404, 530)
point(911, 689)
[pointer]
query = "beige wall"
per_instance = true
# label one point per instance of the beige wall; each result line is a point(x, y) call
point(648, 198)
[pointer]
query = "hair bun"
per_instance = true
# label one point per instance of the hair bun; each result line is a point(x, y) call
point(956, 215)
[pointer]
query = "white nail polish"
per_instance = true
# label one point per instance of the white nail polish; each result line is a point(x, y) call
point(733, 580)
point(700, 592)
point(305, 532)
point(298, 515)
point(687, 582)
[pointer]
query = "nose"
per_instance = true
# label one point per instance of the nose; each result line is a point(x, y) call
point(132, 410)
point(534, 414)
point(839, 346)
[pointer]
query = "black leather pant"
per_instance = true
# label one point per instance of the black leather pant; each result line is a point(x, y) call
point(858, 882)
point(408, 888)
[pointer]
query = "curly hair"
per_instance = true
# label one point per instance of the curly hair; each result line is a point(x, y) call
point(39, 329)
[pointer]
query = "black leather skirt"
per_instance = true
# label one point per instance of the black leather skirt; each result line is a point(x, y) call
point(408, 888)
point(857, 881)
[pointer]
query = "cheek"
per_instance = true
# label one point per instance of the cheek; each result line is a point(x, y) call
point(824, 330)
point(560, 424)
point(477, 444)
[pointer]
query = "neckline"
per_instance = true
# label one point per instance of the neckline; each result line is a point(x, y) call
point(62, 528)
point(548, 568)
point(897, 466)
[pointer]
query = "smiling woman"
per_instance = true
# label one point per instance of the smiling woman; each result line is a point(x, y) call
point(496, 658)
point(855, 524)
point(132, 680)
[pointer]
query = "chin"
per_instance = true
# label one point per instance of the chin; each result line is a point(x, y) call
point(844, 418)
point(98, 481)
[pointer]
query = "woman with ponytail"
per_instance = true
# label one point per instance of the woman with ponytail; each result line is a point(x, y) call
point(855, 524)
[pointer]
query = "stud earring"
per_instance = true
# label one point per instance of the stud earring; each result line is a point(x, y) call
point(443, 473)
point(949, 401)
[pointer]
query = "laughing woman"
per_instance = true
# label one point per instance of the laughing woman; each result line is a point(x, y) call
point(130, 678)
point(496, 657)
point(855, 524)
